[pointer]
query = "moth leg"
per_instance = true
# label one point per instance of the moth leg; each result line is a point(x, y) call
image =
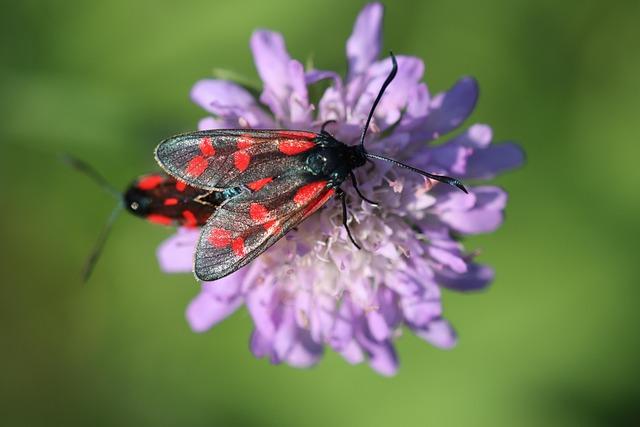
point(355, 185)
point(328, 122)
point(342, 196)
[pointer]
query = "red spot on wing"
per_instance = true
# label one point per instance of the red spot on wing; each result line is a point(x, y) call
point(258, 212)
point(206, 147)
point(238, 246)
point(196, 166)
point(257, 185)
point(219, 238)
point(241, 160)
point(181, 186)
point(296, 134)
point(318, 204)
point(160, 219)
point(308, 192)
point(245, 141)
point(291, 147)
point(171, 201)
point(150, 182)
point(189, 218)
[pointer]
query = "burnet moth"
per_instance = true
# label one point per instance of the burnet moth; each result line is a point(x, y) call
point(277, 177)
point(156, 197)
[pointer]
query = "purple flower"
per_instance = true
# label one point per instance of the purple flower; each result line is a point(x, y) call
point(313, 288)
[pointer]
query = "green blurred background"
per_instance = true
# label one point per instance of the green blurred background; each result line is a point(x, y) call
point(554, 341)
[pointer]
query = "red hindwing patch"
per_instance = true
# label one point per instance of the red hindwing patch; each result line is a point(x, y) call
point(160, 219)
point(150, 182)
point(308, 192)
point(190, 219)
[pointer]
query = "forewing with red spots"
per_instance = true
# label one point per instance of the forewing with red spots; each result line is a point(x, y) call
point(249, 223)
point(218, 159)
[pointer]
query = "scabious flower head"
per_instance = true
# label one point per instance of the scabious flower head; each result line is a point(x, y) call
point(313, 288)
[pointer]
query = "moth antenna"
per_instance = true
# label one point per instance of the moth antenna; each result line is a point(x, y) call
point(85, 168)
point(102, 239)
point(390, 77)
point(446, 179)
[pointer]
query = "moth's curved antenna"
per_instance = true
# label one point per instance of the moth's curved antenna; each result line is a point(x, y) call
point(390, 77)
point(446, 179)
point(102, 239)
point(85, 168)
point(89, 171)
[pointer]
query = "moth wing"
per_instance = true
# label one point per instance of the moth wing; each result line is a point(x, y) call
point(249, 223)
point(218, 159)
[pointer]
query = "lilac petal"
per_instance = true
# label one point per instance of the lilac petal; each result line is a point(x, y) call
point(419, 311)
point(272, 60)
point(342, 333)
point(208, 123)
point(438, 333)
point(216, 301)
point(405, 85)
point(260, 346)
point(448, 258)
point(314, 76)
point(449, 110)
point(175, 255)
point(230, 101)
point(285, 336)
point(285, 90)
point(351, 352)
point(486, 164)
point(262, 308)
point(331, 105)
point(477, 136)
point(452, 158)
point(364, 44)
point(378, 326)
point(383, 358)
point(485, 216)
point(476, 278)
point(417, 105)
point(219, 96)
point(305, 352)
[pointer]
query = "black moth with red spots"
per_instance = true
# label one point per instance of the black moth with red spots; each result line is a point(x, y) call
point(161, 199)
point(272, 180)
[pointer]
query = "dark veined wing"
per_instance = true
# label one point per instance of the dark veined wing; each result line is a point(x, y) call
point(217, 159)
point(249, 223)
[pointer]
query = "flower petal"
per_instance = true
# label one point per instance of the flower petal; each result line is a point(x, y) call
point(216, 301)
point(365, 42)
point(175, 255)
point(449, 110)
point(230, 101)
point(486, 164)
point(438, 333)
point(485, 216)
point(476, 278)
point(285, 90)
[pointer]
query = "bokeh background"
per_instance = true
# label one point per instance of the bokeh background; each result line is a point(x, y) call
point(554, 341)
